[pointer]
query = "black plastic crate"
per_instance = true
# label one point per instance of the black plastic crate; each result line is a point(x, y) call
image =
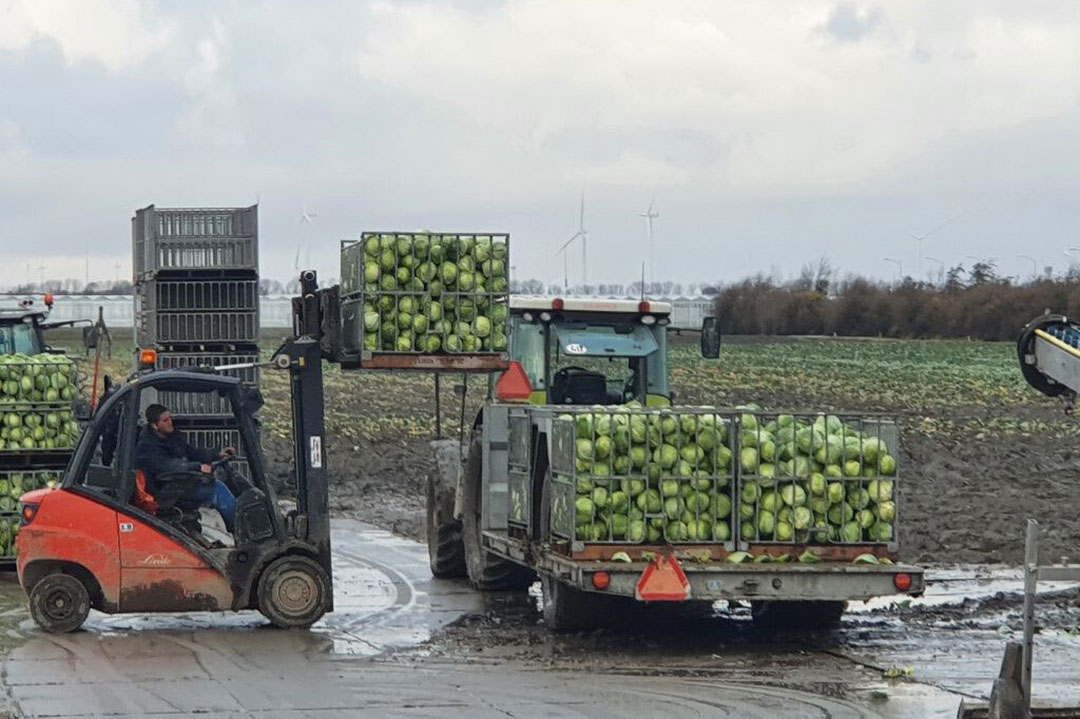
point(194, 238)
point(163, 294)
point(197, 328)
point(205, 404)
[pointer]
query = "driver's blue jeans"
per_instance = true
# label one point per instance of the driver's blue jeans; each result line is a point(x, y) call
point(218, 496)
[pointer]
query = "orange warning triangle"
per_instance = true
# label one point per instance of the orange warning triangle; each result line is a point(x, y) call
point(663, 581)
point(513, 384)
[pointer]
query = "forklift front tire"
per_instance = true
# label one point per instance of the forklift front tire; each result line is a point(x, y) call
point(59, 603)
point(293, 592)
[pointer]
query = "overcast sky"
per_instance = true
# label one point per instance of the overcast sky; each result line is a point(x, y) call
point(771, 133)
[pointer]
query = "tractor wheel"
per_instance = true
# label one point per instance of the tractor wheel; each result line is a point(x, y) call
point(487, 571)
point(797, 615)
point(446, 549)
point(59, 603)
point(294, 592)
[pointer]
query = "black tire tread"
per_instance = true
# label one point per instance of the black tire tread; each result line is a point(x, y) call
point(276, 567)
point(486, 571)
point(80, 596)
point(446, 547)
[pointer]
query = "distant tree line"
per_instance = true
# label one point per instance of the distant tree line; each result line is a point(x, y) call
point(975, 302)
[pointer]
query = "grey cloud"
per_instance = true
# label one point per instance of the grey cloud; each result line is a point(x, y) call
point(850, 23)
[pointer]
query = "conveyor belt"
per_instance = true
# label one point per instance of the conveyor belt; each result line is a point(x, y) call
point(1049, 354)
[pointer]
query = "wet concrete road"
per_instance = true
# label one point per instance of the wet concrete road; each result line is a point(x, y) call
point(358, 662)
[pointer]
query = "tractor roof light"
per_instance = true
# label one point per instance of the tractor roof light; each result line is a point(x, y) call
point(147, 359)
point(545, 317)
point(644, 306)
point(648, 320)
point(527, 316)
point(49, 300)
point(557, 303)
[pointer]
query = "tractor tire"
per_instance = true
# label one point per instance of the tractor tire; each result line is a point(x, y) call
point(486, 571)
point(59, 603)
point(809, 615)
point(446, 548)
point(293, 592)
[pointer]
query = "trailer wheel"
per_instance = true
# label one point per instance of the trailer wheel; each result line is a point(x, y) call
point(446, 548)
point(798, 615)
point(59, 603)
point(487, 571)
point(567, 609)
point(294, 592)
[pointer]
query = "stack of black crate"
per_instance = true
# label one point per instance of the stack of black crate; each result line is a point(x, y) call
point(197, 303)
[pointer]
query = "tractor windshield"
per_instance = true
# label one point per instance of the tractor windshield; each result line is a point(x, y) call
point(593, 361)
point(18, 337)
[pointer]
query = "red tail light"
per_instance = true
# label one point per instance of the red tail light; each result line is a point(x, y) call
point(557, 303)
point(601, 580)
point(27, 512)
point(902, 581)
point(644, 306)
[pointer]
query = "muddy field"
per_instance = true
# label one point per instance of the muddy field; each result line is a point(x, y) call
point(981, 451)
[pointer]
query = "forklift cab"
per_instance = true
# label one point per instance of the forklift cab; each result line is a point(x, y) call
point(586, 352)
point(89, 543)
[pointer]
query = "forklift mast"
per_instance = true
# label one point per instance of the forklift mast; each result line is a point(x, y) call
point(302, 355)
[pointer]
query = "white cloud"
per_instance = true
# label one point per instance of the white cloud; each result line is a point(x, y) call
point(116, 33)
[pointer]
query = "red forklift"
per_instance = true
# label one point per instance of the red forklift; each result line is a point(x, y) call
point(96, 543)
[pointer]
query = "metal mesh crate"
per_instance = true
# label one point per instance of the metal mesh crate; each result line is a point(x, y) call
point(637, 476)
point(426, 293)
point(204, 404)
point(194, 238)
point(817, 479)
point(208, 295)
point(197, 327)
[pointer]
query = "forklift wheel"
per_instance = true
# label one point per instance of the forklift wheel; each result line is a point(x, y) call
point(294, 592)
point(59, 603)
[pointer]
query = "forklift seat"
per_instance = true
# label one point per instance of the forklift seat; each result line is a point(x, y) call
point(142, 497)
point(574, 385)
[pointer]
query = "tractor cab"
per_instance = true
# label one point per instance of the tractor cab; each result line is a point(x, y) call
point(595, 351)
point(21, 325)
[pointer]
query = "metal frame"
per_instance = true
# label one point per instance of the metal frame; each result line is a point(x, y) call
point(357, 295)
point(174, 328)
point(212, 294)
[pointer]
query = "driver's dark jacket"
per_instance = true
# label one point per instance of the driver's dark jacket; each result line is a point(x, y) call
point(158, 456)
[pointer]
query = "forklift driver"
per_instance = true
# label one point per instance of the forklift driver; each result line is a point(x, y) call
point(165, 458)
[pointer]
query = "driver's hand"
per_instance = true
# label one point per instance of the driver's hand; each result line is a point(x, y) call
point(206, 469)
point(227, 452)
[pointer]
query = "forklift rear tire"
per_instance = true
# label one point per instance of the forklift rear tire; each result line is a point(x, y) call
point(808, 615)
point(294, 592)
point(446, 548)
point(59, 603)
point(487, 571)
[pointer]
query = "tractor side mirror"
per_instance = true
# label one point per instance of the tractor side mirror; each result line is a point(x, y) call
point(710, 338)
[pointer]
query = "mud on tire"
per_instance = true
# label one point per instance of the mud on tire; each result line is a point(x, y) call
point(486, 571)
point(59, 603)
point(293, 592)
point(446, 547)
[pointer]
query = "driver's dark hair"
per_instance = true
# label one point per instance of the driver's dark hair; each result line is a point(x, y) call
point(154, 412)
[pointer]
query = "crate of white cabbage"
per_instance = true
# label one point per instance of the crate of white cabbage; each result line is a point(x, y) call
point(817, 479)
point(426, 293)
point(630, 475)
point(36, 396)
point(12, 486)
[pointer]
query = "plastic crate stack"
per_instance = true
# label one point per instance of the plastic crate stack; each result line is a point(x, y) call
point(197, 304)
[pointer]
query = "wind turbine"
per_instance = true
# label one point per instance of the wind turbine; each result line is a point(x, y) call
point(584, 246)
point(919, 239)
point(941, 267)
point(306, 218)
point(899, 266)
point(41, 274)
point(650, 215)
